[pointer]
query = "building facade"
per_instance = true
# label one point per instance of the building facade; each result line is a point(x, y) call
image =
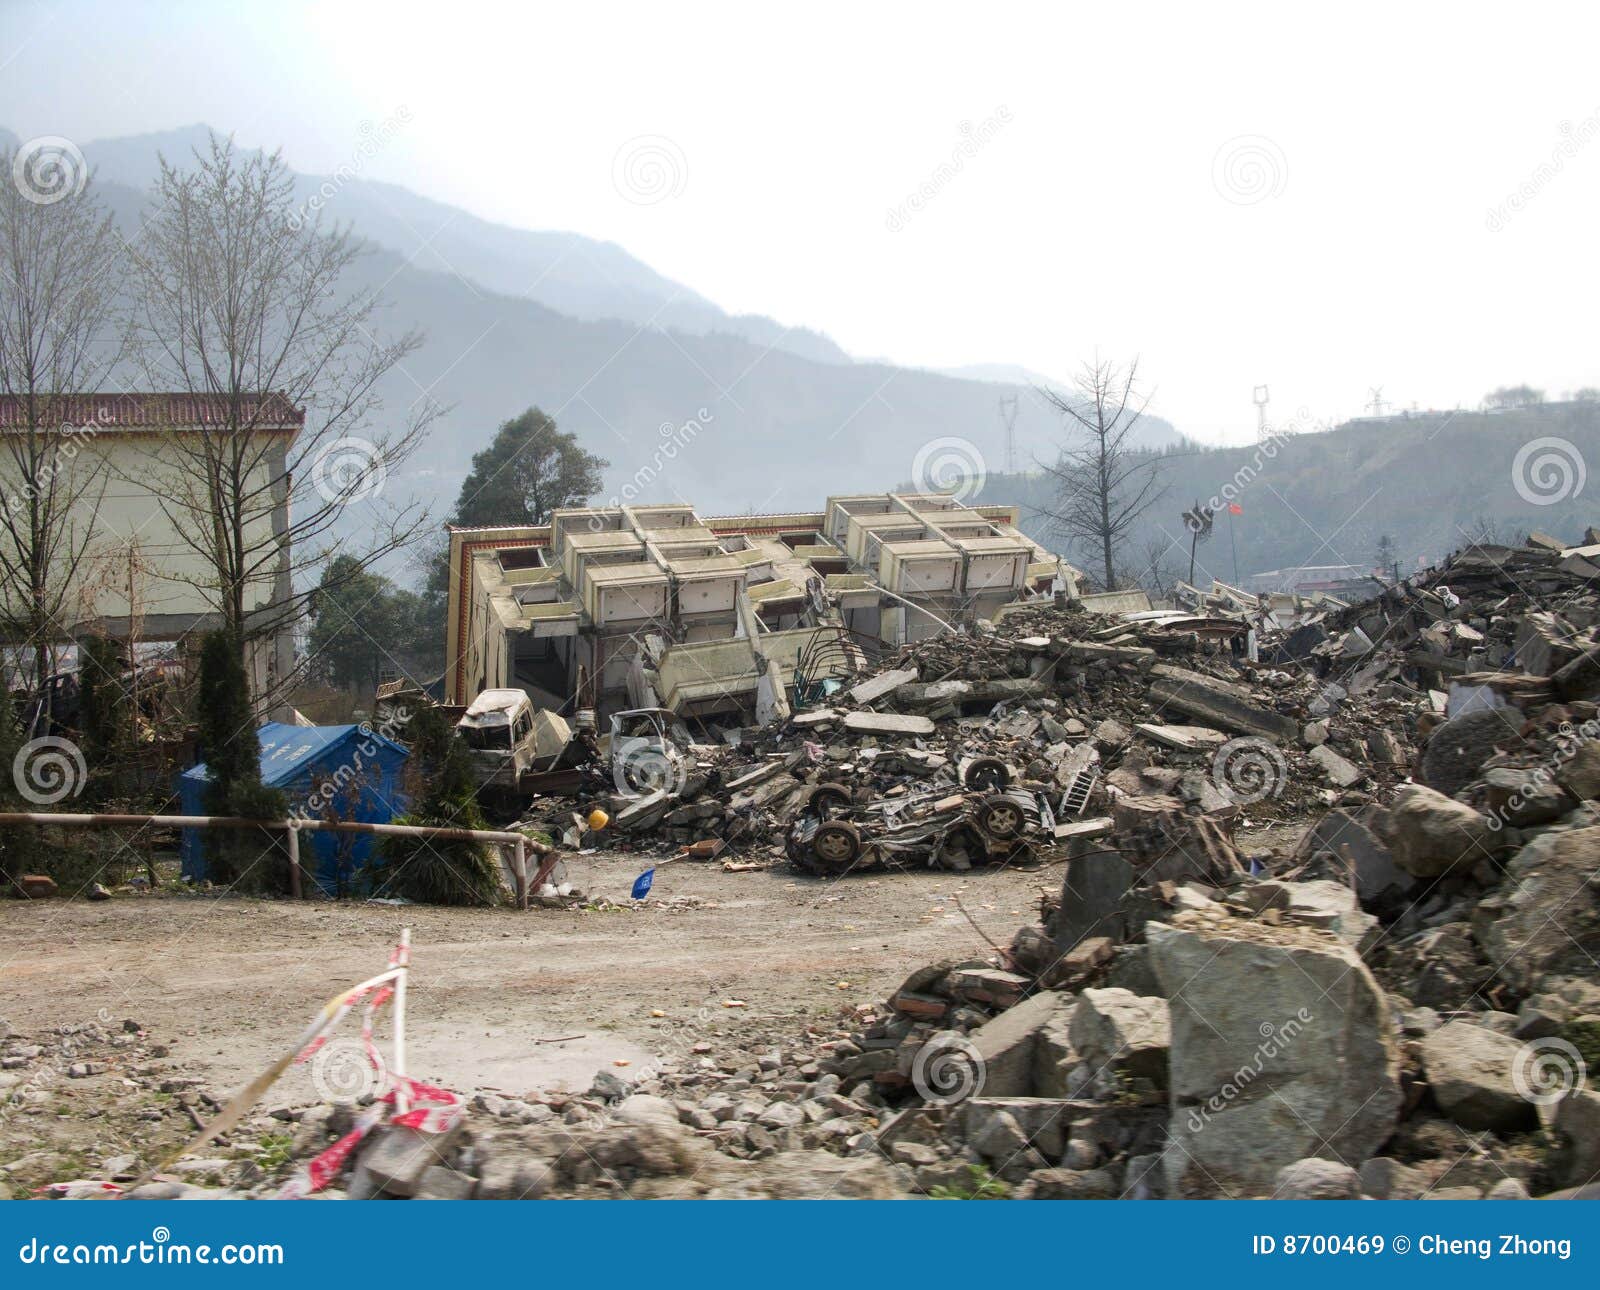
point(644, 606)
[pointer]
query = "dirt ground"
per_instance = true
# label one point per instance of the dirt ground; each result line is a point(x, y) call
point(227, 983)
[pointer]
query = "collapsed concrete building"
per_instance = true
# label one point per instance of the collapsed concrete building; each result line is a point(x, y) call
point(619, 607)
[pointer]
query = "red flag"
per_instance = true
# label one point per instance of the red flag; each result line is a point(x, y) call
point(1235, 509)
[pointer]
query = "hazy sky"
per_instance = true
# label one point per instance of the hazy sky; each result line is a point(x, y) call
point(1238, 193)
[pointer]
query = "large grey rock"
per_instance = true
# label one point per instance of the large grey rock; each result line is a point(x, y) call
point(1322, 903)
point(396, 1158)
point(1431, 834)
point(1473, 1072)
point(1314, 1179)
point(1116, 1029)
point(1282, 1047)
point(1543, 918)
point(1383, 1178)
point(644, 1108)
point(1575, 1120)
point(1580, 773)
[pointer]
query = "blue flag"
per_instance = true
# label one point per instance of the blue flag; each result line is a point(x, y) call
point(641, 884)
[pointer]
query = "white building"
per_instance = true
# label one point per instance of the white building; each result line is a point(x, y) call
point(116, 454)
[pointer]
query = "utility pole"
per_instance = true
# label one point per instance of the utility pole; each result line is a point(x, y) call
point(1008, 417)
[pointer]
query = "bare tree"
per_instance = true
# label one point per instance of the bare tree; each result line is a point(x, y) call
point(241, 299)
point(1103, 485)
point(1153, 569)
point(59, 271)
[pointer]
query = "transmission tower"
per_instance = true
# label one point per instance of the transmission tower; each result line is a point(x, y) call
point(1008, 417)
point(1375, 403)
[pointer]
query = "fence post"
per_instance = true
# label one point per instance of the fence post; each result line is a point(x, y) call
point(294, 858)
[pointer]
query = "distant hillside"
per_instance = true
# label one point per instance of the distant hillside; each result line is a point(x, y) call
point(567, 272)
point(781, 431)
point(1431, 482)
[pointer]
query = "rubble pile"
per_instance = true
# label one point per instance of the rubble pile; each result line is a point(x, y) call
point(991, 747)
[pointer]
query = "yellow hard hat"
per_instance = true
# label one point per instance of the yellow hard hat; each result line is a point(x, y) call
point(598, 819)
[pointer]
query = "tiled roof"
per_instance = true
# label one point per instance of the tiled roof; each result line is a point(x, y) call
point(155, 411)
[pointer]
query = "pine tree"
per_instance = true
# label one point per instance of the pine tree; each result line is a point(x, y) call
point(236, 857)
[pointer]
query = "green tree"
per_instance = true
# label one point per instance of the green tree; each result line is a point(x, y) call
point(236, 857)
point(432, 870)
point(529, 470)
point(361, 622)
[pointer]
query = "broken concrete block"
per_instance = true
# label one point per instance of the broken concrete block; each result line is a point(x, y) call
point(1541, 920)
point(1005, 1046)
point(396, 1158)
point(1043, 1121)
point(1473, 1074)
point(1254, 1009)
point(1117, 1030)
point(887, 723)
point(1339, 770)
point(876, 687)
point(1217, 703)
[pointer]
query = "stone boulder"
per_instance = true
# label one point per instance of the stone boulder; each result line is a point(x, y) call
point(1473, 1073)
point(1314, 1179)
point(1431, 834)
point(1545, 918)
point(1282, 1047)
